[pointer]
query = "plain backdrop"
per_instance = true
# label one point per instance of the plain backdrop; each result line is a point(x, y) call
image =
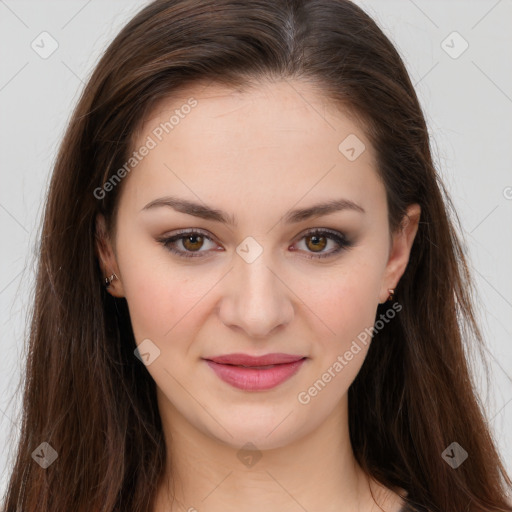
point(459, 55)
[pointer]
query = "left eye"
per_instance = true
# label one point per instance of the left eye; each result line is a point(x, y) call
point(193, 241)
point(319, 238)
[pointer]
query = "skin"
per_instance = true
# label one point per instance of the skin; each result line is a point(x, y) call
point(256, 154)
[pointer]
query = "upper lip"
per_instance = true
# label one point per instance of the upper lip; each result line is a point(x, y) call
point(247, 360)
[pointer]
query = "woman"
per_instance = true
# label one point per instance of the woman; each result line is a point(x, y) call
point(251, 295)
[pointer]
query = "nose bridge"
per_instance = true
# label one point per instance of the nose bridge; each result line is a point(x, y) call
point(257, 280)
point(258, 301)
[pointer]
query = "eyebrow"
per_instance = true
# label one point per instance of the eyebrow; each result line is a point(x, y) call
point(291, 217)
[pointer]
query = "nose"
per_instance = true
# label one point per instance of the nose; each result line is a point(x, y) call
point(257, 299)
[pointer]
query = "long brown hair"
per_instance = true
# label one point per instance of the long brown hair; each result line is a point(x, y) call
point(94, 403)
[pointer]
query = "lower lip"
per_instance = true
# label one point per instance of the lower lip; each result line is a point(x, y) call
point(253, 379)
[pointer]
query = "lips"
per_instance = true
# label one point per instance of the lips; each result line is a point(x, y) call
point(251, 373)
point(255, 361)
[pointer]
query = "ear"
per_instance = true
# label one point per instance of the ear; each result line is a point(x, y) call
point(106, 257)
point(400, 251)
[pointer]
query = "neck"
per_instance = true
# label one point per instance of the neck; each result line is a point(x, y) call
point(316, 472)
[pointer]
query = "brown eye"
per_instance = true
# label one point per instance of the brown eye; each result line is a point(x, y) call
point(193, 242)
point(188, 244)
point(317, 243)
point(316, 240)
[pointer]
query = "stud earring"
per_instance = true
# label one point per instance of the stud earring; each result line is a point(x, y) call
point(108, 280)
point(391, 294)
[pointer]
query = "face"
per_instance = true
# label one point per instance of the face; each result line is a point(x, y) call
point(252, 269)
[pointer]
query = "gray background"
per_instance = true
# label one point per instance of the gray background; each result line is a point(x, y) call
point(467, 99)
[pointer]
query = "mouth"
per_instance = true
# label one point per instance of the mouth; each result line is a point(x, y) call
point(251, 373)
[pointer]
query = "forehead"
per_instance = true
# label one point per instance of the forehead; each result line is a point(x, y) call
point(276, 140)
point(280, 103)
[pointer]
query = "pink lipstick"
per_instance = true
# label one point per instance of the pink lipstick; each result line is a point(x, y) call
point(252, 373)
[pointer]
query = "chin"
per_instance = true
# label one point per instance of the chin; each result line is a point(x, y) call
point(264, 433)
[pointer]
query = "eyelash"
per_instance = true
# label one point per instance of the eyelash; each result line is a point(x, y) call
point(339, 238)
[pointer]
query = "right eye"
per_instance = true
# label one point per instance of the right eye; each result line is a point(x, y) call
point(191, 240)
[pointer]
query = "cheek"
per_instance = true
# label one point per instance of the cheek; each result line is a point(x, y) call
point(165, 301)
point(153, 301)
point(347, 305)
point(347, 302)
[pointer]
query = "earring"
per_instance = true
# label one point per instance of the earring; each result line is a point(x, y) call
point(108, 280)
point(391, 294)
